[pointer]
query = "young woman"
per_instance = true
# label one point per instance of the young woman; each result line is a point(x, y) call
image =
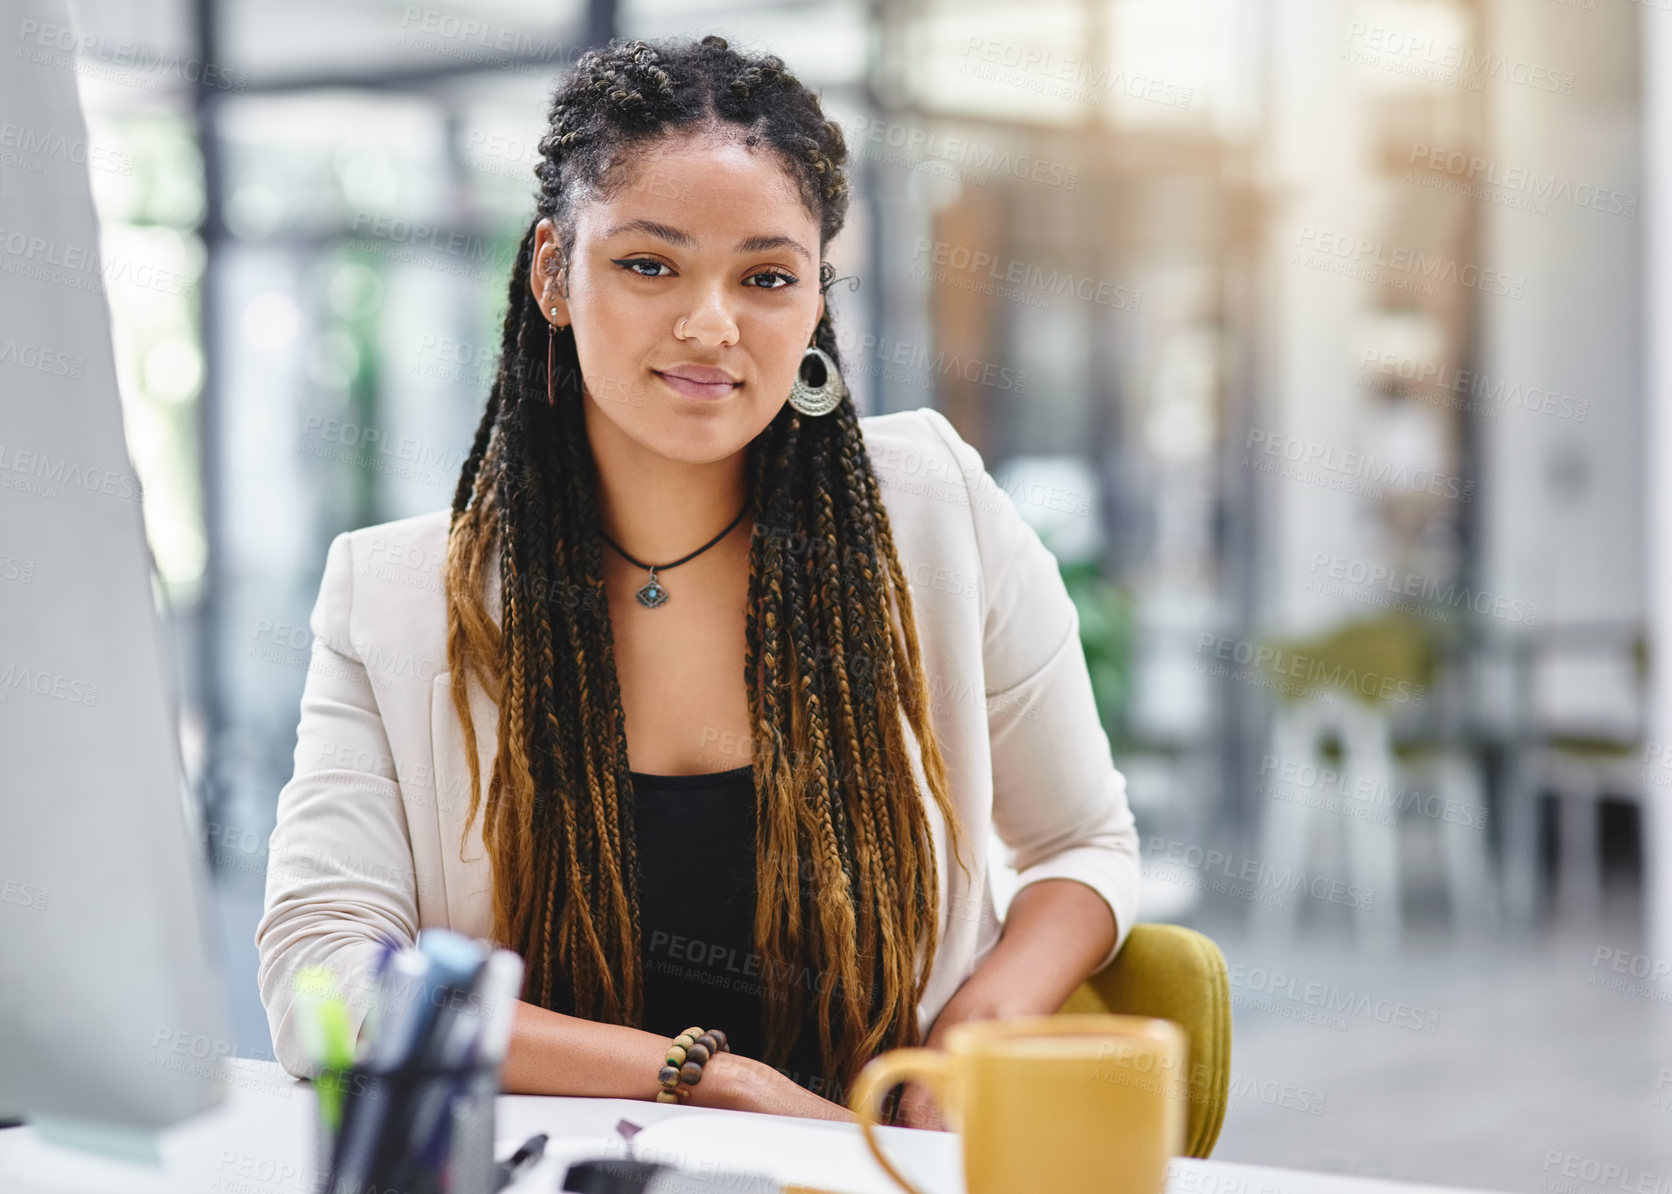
point(655, 703)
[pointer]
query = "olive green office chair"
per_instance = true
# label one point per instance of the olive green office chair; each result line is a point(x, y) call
point(1177, 974)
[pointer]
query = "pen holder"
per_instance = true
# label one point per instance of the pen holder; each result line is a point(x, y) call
point(412, 1130)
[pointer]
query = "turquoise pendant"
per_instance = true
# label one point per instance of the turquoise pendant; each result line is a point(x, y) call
point(653, 594)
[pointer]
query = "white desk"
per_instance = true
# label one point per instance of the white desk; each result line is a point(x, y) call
point(261, 1141)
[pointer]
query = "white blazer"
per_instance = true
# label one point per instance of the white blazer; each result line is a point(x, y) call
point(368, 830)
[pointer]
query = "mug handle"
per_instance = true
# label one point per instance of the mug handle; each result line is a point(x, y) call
point(931, 1067)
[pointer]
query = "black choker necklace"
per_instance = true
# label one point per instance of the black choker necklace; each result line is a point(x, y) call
point(652, 593)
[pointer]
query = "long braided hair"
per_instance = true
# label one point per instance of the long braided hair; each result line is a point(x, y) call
point(846, 882)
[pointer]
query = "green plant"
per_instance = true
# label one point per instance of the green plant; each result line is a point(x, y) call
point(1106, 622)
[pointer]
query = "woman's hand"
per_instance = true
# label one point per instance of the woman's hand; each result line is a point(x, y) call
point(918, 1108)
point(739, 1083)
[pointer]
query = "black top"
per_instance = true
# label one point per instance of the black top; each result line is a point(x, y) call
point(696, 842)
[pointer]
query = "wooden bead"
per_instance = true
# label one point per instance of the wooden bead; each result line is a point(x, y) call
point(668, 1075)
point(719, 1037)
point(698, 1053)
point(692, 1032)
point(684, 1040)
point(707, 1041)
point(690, 1073)
point(666, 1096)
point(676, 1054)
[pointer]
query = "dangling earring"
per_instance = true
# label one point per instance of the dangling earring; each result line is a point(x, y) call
point(551, 365)
point(825, 393)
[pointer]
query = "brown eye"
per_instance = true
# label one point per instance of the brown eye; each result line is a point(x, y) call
point(627, 263)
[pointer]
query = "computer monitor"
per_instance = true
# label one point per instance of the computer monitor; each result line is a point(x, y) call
point(111, 1012)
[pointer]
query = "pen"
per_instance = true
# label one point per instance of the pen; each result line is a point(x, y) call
point(524, 1159)
point(500, 984)
point(388, 947)
point(336, 1056)
point(487, 1020)
point(456, 964)
point(405, 985)
point(322, 1024)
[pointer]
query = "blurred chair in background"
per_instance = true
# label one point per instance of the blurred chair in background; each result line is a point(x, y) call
point(1342, 813)
point(1581, 709)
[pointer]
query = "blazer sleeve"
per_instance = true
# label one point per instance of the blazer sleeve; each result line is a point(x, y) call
point(339, 861)
point(1059, 803)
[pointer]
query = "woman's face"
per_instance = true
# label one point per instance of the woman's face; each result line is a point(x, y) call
point(693, 293)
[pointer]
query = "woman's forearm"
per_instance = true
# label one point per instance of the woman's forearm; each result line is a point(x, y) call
point(557, 1054)
point(553, 1054)
point(1055, 932)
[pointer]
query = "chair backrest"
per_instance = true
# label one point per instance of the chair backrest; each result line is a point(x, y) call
point(1177, 974)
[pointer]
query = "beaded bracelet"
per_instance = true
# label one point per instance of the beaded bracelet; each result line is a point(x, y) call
point(683, 1064)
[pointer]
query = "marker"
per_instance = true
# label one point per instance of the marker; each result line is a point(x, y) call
point(401, 1027)
point(521, 1161)
point(499, 988)
point(484, 1026)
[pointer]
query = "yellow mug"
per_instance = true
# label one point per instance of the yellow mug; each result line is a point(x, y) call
point(1065, 1104)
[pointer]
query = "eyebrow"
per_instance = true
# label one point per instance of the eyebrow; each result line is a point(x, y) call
point(684, 240)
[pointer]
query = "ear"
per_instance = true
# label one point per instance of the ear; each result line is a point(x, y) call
point(819, 317)
point(543, 274)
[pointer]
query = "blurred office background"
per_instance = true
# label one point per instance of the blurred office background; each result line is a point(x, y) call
point(1316, 337)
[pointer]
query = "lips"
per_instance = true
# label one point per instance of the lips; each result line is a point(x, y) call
point(698, 383)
